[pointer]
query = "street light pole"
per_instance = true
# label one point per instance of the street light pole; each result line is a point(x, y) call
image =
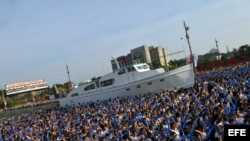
point(187, 37)
point(2, 92)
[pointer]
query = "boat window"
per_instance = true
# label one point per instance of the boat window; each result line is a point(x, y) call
point(97, 84)
point(131, 69)
point(139, 67)
point(149, 83)
point(89, 87)
point(107, 82)
point(75, 94)
point(121, 72)
point(128, 89)
point(161, 80)
point(145, 66)
point(138, 86)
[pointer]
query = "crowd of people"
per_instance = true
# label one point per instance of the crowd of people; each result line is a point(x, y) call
point(219, 97)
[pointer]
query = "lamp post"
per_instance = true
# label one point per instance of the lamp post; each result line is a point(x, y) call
point(187, 37)
point(69, 83)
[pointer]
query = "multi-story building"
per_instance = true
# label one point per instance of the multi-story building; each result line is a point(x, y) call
point(159, 56)
point(154, 56)
point(141, 55)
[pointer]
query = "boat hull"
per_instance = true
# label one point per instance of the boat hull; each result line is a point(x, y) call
point(182, 77)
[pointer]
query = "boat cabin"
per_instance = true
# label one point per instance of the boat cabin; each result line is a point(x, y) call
point(119, 77)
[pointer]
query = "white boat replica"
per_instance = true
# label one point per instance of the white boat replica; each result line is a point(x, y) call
point(129, 81)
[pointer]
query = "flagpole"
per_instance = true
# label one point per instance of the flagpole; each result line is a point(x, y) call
point(187, 37)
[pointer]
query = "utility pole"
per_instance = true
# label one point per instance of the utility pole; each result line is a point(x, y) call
point(187, 37)
point(69, 83)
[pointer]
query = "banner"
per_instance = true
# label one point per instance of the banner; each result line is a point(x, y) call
point(218, 57)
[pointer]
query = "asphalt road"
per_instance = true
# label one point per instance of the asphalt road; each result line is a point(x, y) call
point(24, 110)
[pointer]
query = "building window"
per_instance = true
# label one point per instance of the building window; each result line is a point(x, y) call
point(161, 80)
point(149, 83)
point(128, 89)
point(138, 86)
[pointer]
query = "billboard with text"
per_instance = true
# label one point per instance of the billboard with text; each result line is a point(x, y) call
point(25, 86)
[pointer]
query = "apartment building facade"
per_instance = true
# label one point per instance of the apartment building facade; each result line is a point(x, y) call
point(154, 56)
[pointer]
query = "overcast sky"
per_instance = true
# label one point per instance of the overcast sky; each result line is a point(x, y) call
point(39, 37)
